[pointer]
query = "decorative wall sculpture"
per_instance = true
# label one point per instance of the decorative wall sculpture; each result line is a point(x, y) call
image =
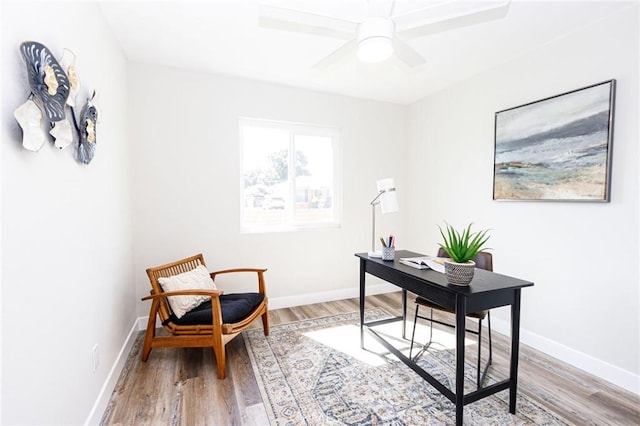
point(87, 145)
point(48, 82)
point(29, 117)
point(54, 88)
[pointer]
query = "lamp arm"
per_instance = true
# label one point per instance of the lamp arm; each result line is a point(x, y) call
point(373, 225)
point(373, 210)
point(373, 220)
point(373, 202)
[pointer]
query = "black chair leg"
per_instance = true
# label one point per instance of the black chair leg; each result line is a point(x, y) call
point(426, 345)
point(481, 371)
point(413, 334)
point(430, 328)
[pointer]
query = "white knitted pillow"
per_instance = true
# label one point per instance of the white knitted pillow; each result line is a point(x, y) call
point(196, 279)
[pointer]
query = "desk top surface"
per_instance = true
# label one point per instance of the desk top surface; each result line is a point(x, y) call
point(483, 281)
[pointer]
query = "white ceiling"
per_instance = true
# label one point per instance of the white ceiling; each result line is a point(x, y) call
point(224, 37)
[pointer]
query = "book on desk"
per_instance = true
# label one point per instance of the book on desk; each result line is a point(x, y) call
point(424, 262)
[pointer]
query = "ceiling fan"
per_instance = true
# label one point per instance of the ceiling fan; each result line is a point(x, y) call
point(381, 32)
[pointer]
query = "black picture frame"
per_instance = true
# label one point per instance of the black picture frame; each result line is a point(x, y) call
point(556, 149)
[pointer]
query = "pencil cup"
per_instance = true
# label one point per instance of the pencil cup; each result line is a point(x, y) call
point(388, 253)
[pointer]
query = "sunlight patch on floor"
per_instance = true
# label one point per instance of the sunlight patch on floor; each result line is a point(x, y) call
point(346, 339)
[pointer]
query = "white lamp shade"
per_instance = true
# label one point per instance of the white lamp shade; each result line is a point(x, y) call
point(388, 199)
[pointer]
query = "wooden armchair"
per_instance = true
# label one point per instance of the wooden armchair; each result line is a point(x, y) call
point(213, 323)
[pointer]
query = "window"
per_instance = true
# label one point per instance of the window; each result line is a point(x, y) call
point(290, 176)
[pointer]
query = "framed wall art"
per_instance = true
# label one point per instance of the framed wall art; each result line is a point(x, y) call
point(556, 149)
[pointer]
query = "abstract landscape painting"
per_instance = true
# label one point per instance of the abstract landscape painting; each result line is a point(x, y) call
point(557, 148)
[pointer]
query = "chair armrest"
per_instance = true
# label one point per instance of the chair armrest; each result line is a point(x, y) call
point(212, 293)
point(216, 309)
point(259, 271)
point(227, 271)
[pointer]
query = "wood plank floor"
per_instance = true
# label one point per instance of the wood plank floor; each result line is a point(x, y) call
point(177, 385)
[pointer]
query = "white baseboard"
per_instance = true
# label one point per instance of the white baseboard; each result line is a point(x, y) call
point(591, 365)
point(615, 375)
point(112, 378)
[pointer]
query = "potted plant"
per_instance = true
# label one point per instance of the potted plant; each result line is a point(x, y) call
point(462, 248)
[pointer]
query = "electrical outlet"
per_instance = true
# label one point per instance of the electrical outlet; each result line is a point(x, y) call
point(95, 358)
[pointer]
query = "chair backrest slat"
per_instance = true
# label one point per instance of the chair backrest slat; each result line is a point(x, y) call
point(168, 270)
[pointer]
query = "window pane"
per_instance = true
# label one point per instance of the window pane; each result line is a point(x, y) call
point(288, 176)
point(314, 178)
point(265, 153)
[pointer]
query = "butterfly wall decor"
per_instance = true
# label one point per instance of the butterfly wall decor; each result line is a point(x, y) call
point(55, 85)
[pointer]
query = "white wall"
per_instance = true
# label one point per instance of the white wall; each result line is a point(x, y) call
point(67, 275)
point(583, 257)
point(186, 179)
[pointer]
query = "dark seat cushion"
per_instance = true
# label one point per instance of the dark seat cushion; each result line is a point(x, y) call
point(235, 307)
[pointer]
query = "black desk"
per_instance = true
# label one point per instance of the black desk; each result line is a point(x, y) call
point(487, 290)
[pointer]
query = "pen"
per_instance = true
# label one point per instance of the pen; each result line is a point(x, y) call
point(383, 243)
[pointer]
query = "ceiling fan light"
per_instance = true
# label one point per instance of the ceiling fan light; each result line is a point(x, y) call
point(375, 49)
point(375, 39)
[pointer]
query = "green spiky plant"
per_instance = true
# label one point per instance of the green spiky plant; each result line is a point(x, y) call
point(462, 247)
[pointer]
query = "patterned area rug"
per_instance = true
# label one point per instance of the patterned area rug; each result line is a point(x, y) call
point(313, 372)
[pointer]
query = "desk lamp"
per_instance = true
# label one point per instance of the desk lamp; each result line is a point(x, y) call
point(388, 204)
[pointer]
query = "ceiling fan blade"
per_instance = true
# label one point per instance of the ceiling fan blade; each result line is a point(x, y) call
point(382, 8)
point(448, 16)
point(407, 54)
point(340, 54)
point(304, 22)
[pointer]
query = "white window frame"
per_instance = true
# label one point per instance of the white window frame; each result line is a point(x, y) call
point(295, 129)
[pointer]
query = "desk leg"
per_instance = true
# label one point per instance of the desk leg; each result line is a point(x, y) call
point(461, 307)
point(515, 346)
point(404, 313)
point(362, 295)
